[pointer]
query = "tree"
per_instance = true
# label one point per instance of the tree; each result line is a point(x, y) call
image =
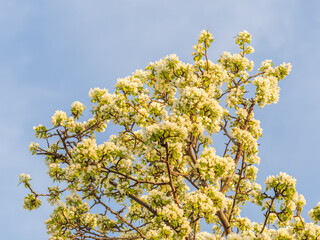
point(161, 177)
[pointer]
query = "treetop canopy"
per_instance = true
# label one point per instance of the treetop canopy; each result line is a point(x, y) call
point(161, 176)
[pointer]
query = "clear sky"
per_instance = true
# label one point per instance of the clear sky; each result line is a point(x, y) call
point(53, 52)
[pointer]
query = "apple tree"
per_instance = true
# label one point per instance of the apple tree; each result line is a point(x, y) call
point(161, 176)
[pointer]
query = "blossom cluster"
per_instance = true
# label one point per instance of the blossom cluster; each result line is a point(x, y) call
point(314, 213)
point(205, 39)
point(77, 109)
point(213, 167)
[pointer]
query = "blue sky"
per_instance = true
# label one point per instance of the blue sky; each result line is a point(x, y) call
point(53, 52)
